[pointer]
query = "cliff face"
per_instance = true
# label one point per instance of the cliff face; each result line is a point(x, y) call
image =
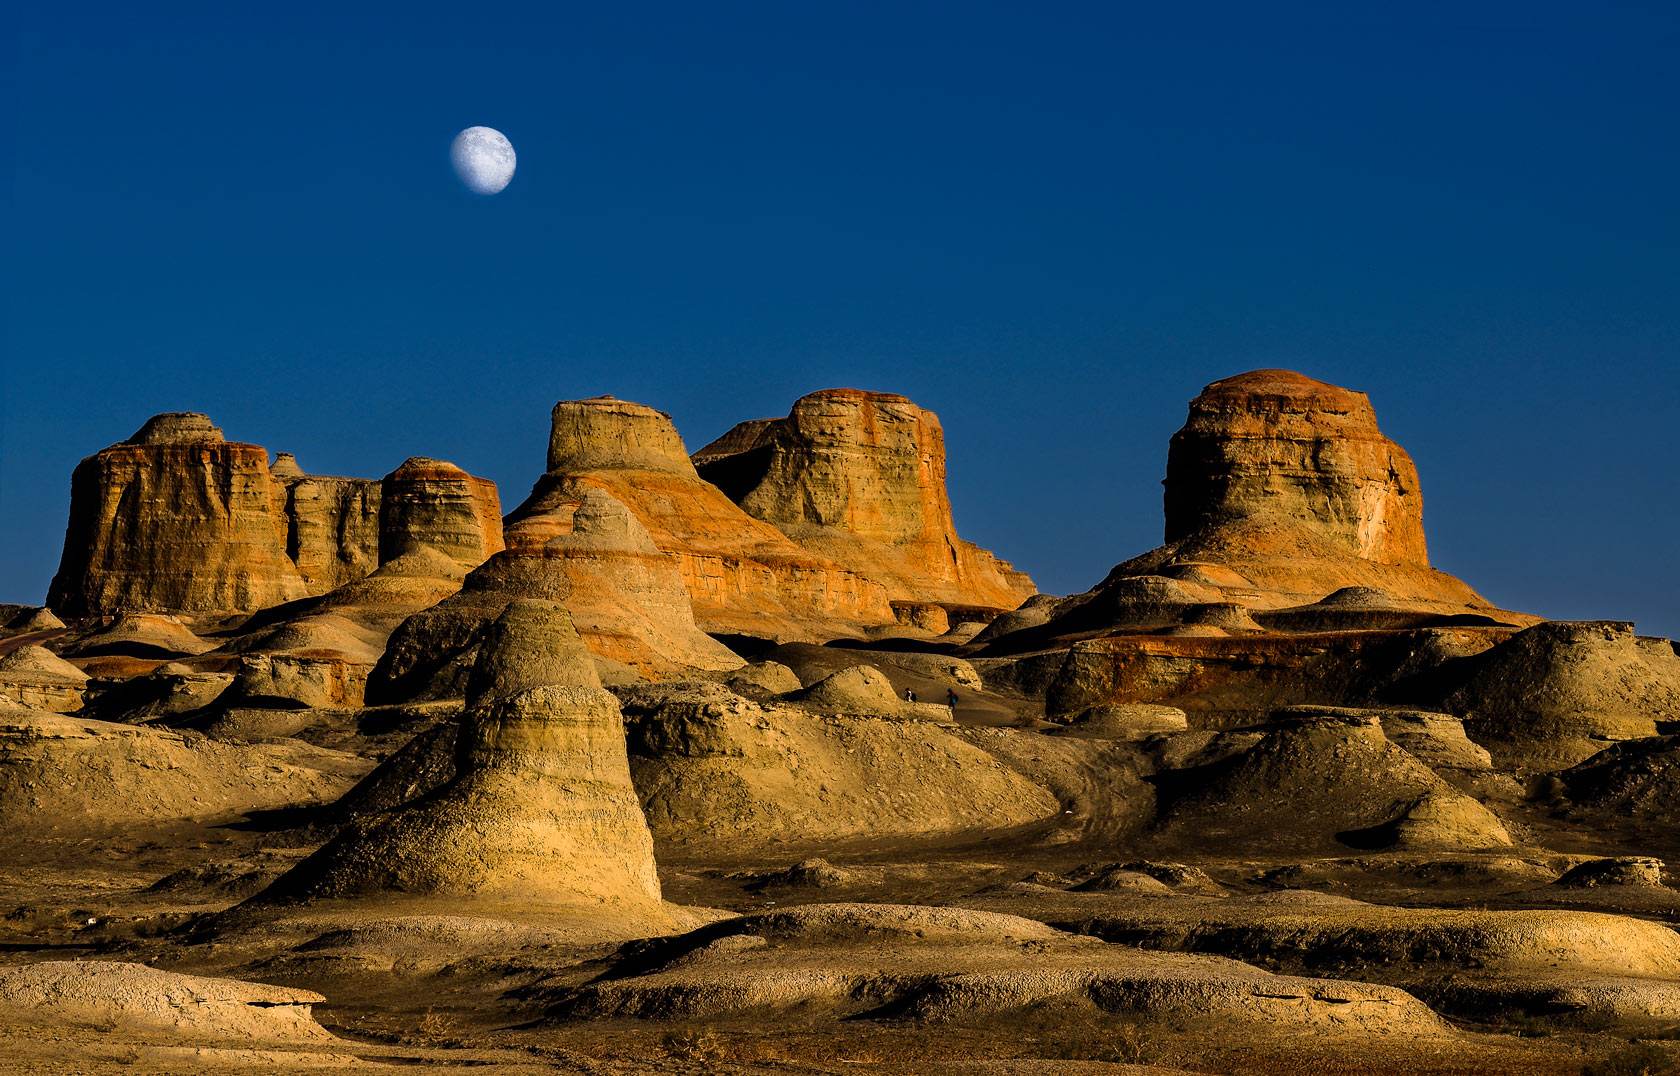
point(175, 519)
point(332, 524)
point(1282, 490)
point(859, 477)
point(427, 502)
point(1275, 446)
point(179, 520)
point(743, 575)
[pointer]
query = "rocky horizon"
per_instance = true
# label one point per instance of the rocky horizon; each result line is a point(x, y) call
point(690, 748)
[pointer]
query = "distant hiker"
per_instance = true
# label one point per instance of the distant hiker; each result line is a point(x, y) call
point(951, 700)
point(909, 694)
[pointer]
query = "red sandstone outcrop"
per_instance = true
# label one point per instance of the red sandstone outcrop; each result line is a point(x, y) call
point(175, 519)
point(743, 575)
point(859, 477)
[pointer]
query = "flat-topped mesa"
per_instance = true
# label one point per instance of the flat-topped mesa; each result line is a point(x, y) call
point(427, 502)
point(179, 520)
point(175, 519)
point(860, 477)
point(606, 433)
point(1278, 446)
point(1288, 483)
point(743, 575)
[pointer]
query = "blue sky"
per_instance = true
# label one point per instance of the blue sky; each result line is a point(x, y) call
point(1051, 224)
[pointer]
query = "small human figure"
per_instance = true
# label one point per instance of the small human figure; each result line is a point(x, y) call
point(951, 700)
point(909, 694)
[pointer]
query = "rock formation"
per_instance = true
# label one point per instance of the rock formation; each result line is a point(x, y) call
point(109, 994)
point(332, 524)
point(625, 597)
point(1322, 776)
point(940, 965)
point(717, 769)
point(36, 677)
point(1560, 692)
point(1286, 490)
point(65, 775)
point(427, 502)
point(175, 519)
point(743, 576)
point(859, 477)
point(541, 810)
point(179, 520)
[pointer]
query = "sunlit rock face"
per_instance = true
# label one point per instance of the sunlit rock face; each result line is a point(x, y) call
point(427, 502)
point(1272, 444)
point(743, 575)
point(1281, 491)
point(860, 477)
point(175, 519)
point(332, 524)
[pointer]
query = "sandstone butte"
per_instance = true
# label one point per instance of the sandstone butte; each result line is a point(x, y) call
point(332, 524)
point(859, 477)
point(1287, 488)
point(177, 519)
point(743, 575)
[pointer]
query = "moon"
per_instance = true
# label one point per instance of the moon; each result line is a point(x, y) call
point(483, 158)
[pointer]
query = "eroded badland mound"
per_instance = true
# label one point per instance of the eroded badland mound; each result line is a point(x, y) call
point(747, 762)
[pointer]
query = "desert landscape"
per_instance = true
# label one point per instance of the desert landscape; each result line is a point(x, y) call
point(743, 760)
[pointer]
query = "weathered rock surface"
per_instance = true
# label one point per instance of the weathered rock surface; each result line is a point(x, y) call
point(134, 995)
point(1275, 445)
point(138, 635)
point(69, 776)
point(1281, 490)
point(1634, 781)
point(175, 519)
point(332, 524)
point(179, 520)
point(1322, 777)
point(939, 965)
point(36, 677)
point(624, 595)
point(743, 576)
point(859, 477)
point(541, 810)
point(427, 502)
point(31, 618)
point(1562, 691)
point(1436, 740)
point(714, 767)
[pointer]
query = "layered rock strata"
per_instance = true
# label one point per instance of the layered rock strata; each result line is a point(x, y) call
point(743, 576)
point(175, 519)
point(427, 502)
point(859, 477)
point(541, 810)
point(332, 524)
point(1282, 489)
point(179, 520)
point(625, 596)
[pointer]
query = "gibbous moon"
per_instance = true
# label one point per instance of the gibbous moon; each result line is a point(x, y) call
point(483, 158)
